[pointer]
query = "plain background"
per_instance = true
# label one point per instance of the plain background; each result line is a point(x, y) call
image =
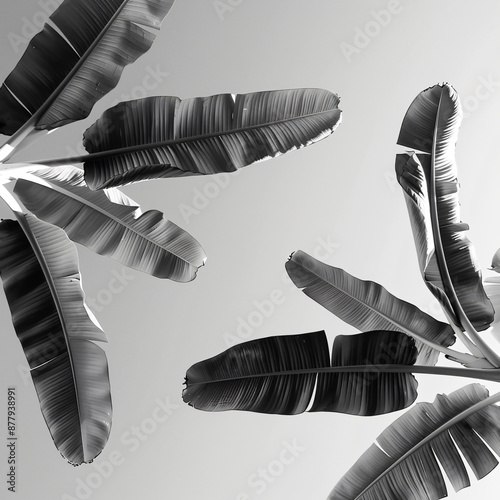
point(337, 200)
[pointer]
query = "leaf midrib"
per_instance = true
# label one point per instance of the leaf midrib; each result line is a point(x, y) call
point(132, 149)
point(491, 375)
point(60, 309)
point(384, 316)
point(70, 194)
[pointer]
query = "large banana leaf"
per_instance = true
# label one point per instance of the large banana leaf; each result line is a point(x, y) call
point(407, 458)
point(39, 270)
point(446, 257)
point(281, 374)
point(146, 242)
point(64, 71)
point(166, 137)
point(367, 305)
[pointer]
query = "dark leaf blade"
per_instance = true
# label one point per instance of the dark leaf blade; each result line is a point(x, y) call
point(61, 77)
point(39, 270)
point(278, 375)
point(203, 135)
point(367, 305)
point(377, 392)
point(431, 125)
point(237, 378)
point(143, 241)
point(407, 456)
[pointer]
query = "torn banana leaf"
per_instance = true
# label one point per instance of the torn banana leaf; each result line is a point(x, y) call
point(160, 137)
point(288, 374)
point(67, 68)
point(410, 456)
point(446, 257)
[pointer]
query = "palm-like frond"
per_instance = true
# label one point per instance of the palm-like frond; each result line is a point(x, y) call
point(146, 242)
point(39, 270)
point(407, 458)
point(367, 305)
point(280, 374)
point(446, 257)
point(67, 68)
point(166, 137)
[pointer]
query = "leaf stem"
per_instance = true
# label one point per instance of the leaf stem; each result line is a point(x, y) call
point(15, 142)
point(491, 375)
point(9, 200)
point(462, 336)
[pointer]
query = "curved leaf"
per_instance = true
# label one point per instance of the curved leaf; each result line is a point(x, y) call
point(446, 257)
point(146, 242)
point(281, 374)
point(367, 305)
point(405, 461)
point(41, 279)
point(203, 135)
point(65, 70)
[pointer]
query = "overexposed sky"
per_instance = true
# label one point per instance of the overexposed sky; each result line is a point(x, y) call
point(337, 200)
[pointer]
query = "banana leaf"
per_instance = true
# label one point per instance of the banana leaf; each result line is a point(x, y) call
point(160, 137)
point(409, 457)
point(280, 375)
point(143, 241)
point(446, 257)
point(39, 271)
point(366, 305)
point(77, 59)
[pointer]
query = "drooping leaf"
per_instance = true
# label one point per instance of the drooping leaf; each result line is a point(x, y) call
point(65, 70)
point(166, 137)
point(406, 459)
point(146, 242)
point(39, 270)
point(366, 305)
point(281, 374)
point(446, 257)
